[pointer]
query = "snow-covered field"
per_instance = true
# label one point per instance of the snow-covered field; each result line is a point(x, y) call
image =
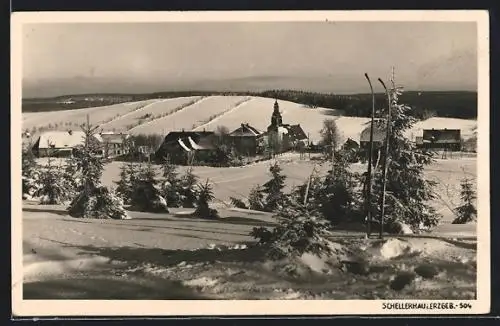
point(208, 113)
point(172, 256)
point(238, 181)
point(153, 110)
point(154, 256)
point(191, 116)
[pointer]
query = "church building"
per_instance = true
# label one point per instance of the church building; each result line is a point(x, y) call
point(283, 137)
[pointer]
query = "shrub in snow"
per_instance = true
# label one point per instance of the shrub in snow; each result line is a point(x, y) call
point(171, 188)
point(146, 193)
point(52, 188)
point(466, 212)
point(300, 230)
point(30, 171)
point(256, 199)
point(336, 195)
point(238, 203)
point(98, 202)
point(188, 189)
point(273, 189)
point(124, 187)
point(205, 196)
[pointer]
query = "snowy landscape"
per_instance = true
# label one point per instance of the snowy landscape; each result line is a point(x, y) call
point(320, 191)
point(176, 256)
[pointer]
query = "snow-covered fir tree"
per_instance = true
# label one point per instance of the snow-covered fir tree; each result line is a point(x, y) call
point(273, 189)
point(300, 229)
point(146, 192)
point(52, 188)
point(205, 196)
point(188, 190)
point(256, 198)
point(408, 192)
point(94, 200)
point(30, 173)
point(467, 211)
point(172, 185)
point(124, 186)
point(336, 194)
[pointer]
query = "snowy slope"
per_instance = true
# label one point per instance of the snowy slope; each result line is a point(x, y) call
point(193, 115)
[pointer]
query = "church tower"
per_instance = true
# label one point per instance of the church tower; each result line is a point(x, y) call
point(276, 119)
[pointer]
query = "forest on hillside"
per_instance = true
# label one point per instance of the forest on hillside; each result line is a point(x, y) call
point(451, 104)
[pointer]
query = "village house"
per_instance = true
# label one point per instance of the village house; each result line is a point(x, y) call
point(442, 139)
point(114, 144)
point(246, 140)
point(181, 147)
point(60, 143)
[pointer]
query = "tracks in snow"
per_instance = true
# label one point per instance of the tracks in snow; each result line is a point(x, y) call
point(218, 116)
point(174, 111)
point(139, 108)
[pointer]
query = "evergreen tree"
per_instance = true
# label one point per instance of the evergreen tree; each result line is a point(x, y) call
point(205, 196)
point(30, 172)
point(238, 203)
point(94, 200)
point(146, 193)
point(52, 190)
point(127, 178)
point(300, 229)
point(172, 185)
point(188, 189)
point(72, 177)
point(466, 212)
point(407, 192)
point(256, 198)
point(273, 189)
point(336, 196)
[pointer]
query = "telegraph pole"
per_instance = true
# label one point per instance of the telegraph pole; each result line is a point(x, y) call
point(370, 159)
point(386, 154)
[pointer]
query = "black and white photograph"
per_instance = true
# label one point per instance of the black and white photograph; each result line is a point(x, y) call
point(307, 163)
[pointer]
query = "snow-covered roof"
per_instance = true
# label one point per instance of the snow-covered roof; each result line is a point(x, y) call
point(181, 143)
point(62, 139)
point(245, 130)
point(193, 144)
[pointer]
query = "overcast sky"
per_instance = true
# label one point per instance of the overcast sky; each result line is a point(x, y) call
point(315, 56)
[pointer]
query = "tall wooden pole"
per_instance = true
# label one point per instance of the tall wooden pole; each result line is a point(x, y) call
point(370, 162)
point(386, 154)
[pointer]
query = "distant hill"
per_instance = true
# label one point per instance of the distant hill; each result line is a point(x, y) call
point(452, 104)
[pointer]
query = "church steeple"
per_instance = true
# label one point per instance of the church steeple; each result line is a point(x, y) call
point(276, 119)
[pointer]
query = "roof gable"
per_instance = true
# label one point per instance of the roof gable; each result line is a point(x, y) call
point(245, 130)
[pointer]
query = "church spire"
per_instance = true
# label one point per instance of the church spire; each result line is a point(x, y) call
point(276, 119)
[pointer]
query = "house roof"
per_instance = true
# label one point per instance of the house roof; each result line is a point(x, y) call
point(442, 135)
point(62, 139)
point(296, 132)
point(246, 130)
point(188, 144)
point(112, 137)
point(378, 133)
point(173, 135)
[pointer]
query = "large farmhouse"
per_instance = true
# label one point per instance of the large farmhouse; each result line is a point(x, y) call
point(444, 139)
point(180, 146)
point(60, 143)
